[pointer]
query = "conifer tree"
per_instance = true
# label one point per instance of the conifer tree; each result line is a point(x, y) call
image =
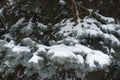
point(57, 40)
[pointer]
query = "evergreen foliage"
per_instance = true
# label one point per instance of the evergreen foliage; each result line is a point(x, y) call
point(52, 40)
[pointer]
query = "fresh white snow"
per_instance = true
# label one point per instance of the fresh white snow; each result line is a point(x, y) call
point(41, 25)
point(99, 57)
point(107, 19)
point(61, 51)
point(70, 50)
point(35, 59)
point(11, 44)
point(19, 49)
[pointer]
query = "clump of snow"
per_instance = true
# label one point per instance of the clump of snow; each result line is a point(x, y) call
point(112, 50)
point(80, 59)
point(11, 44)
point(62, 2)
point(35, 59)
point(99, 57)
point(66, 30)
point(41, 25)
point(82, 49)
point(106, 19)
point(60, 51)
point(109, 27)
point(19, 49)
point(68, 41)
point(18, 23)
point(41, 49)
point(65, 52)
point(111, 40)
